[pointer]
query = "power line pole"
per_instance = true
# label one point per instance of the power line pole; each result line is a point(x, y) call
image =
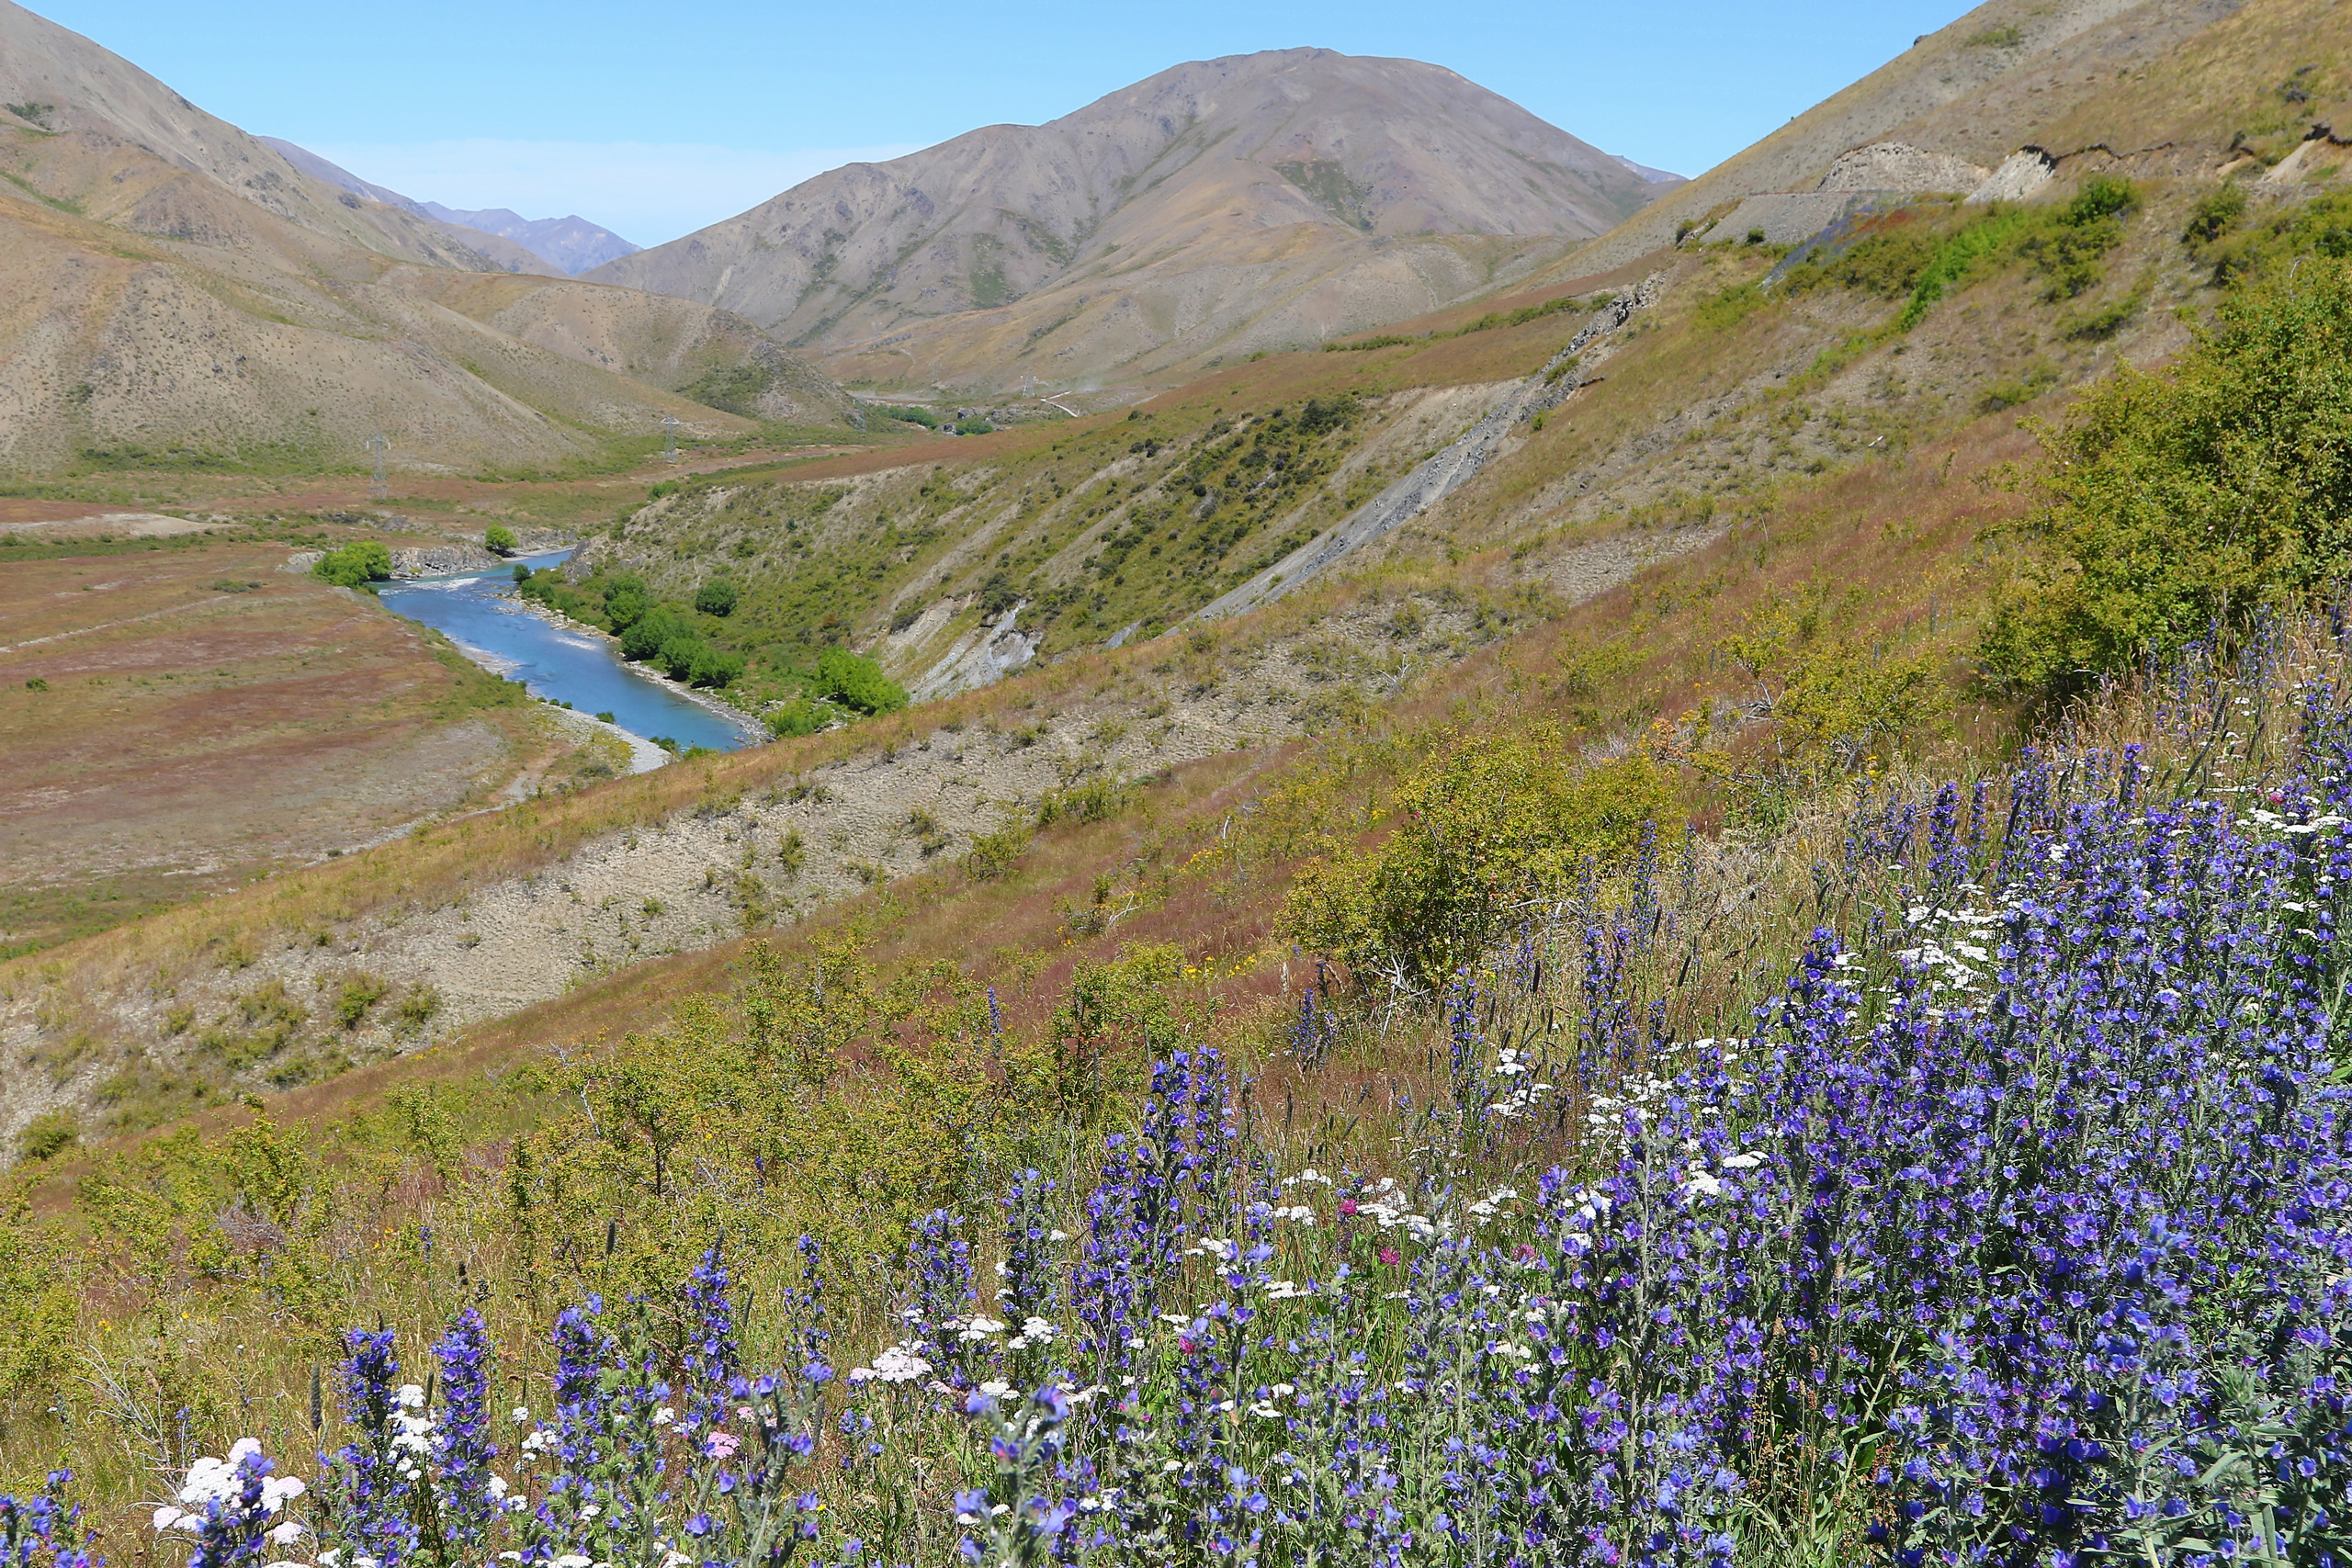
point(379, 486)
point(670, 438)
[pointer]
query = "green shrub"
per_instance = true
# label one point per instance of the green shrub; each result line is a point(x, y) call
point(626, 602)
point(649, 633)
point(2321, 226)
point(364, 560)
point(1492, 825)
point(2203, 494)
point(714, 667)
point(1096, 800)
point(522, 574)
point(798, 717)
point(678, 654)
point(993, 855)
point(417, 1008)
point(2101, 197)
point(857, 681)
point(2107, 321)
point(49, 1134)
point(358, 994)
point(716, 597)
point(1321, 414)
point(1723, 310)
point(973, 427)
point(1956, 258)
point(2215, 214)
point(924, 417)
point(500, 538)
point(2035, 380)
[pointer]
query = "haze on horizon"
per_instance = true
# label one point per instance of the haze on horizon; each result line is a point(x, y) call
point(655, 126)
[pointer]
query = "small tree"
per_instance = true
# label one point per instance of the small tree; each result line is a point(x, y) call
point(716, 597)
point(498, 537)
point(857, 681)
point(364, 560)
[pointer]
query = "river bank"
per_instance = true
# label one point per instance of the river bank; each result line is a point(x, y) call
point(754, 730)
point(562, 662)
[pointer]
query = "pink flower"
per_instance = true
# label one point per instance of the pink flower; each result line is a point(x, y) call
point(1526, 1253)
point(1347, 1206)
point(720, 1444)
point(1388, 1255)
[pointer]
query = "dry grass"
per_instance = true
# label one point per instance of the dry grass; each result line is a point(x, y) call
point(203, 719)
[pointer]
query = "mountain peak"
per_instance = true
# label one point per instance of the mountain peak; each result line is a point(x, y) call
point(1291, 176)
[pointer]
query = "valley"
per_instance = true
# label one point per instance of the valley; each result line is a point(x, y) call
point(1328, 757)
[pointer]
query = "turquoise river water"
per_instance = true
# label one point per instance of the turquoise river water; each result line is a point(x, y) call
point(479, 613)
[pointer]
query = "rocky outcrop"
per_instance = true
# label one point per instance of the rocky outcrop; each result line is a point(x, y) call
point(1898, 165)
point(1440, 476)
point(980, 658)
point(441, 560)
point(2021, 174)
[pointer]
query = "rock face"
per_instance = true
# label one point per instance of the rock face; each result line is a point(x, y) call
point(441, 560)
point(2010, 75)
point(980, 658)
point(1898, 165)
point(1223, 204)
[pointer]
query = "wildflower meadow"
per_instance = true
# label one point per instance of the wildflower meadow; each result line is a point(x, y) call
point(2015, 1227)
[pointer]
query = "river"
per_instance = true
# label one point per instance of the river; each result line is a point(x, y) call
point(476, 611)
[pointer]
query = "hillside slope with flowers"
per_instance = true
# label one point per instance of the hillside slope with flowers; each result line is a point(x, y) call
point(1830, 1050)
point(2017, 1230)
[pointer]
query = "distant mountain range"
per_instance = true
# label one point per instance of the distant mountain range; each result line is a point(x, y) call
point(1256, 201)
point(213, 295)
point(567, 246)
point(573, 243)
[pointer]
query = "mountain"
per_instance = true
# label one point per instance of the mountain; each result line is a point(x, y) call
point(573, 243)
point(174, 290)
point(504, 253)
point(1654, 176)
point(2077, 78)
point(568, 245)
point(1260, 200)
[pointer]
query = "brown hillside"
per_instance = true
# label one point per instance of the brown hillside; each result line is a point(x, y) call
point(1226, 205)
point(2009, 73)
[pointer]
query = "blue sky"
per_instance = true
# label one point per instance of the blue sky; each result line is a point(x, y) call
point(655, 119)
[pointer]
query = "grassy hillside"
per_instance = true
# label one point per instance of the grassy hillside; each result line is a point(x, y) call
point(879, 1075)
point(1713, 422)
point(1766, 815)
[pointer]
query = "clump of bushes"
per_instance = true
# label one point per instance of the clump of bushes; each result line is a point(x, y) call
point(2201, 496)
point(357, 564)
point(666, 637)
point(856, 681)
point(798, 717)
point(49, 1134)
point(1492, 827)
